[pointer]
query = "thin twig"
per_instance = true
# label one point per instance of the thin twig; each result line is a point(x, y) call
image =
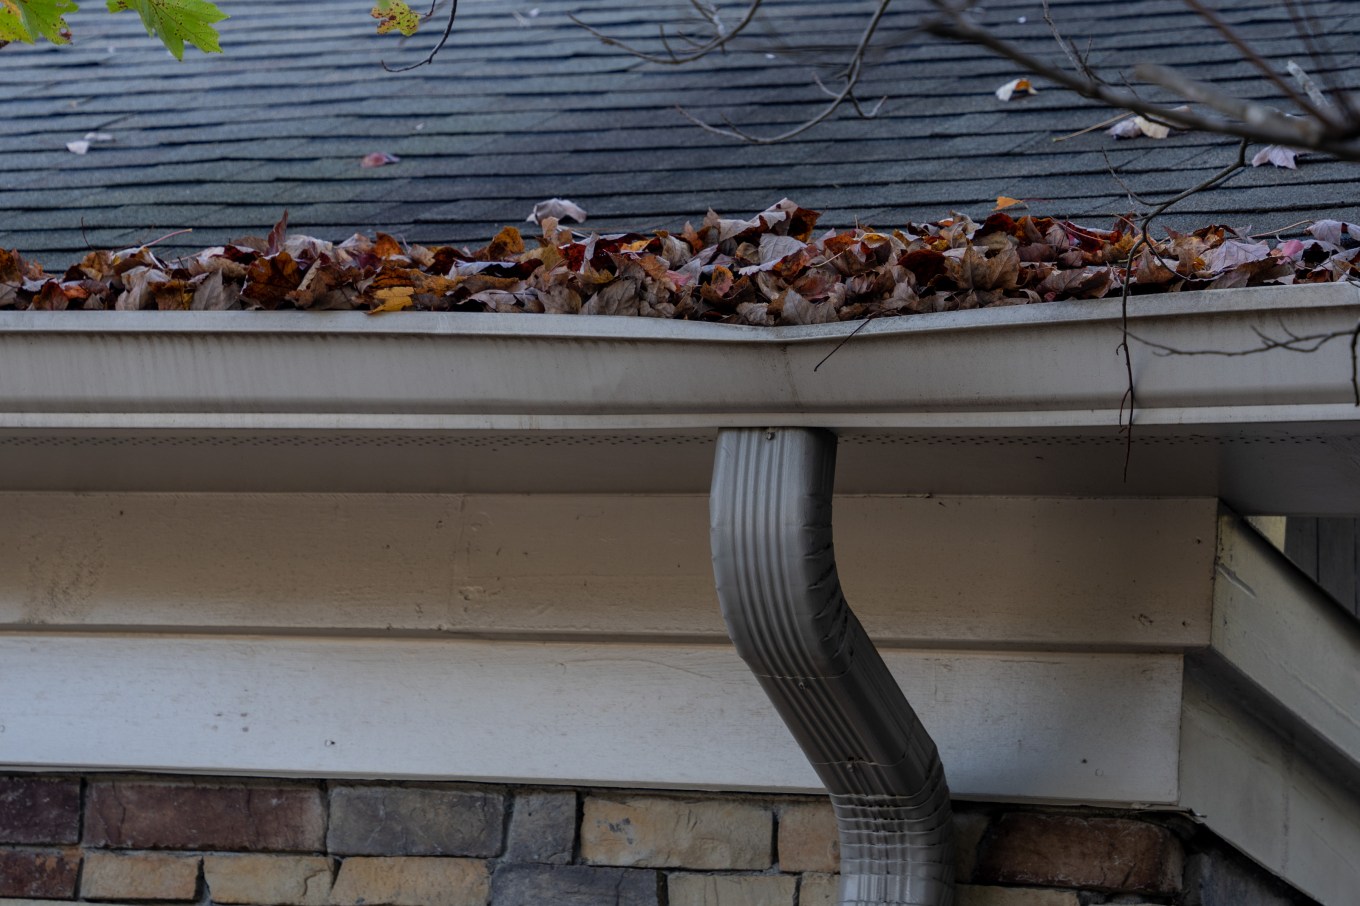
point(720, 39)
point(147, 245)
point(1128, 189)
point(1265, 233)
point(1109, 122)
point(443, 39)
point(847, 93)
point(1130, 397)
point(1079, 63)
point(848, 337)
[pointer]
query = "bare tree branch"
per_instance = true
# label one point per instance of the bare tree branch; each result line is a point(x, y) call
point(1265, 125)
point(853, 70)
point(1331, 126)
point(721, 36)
point(1251, 56)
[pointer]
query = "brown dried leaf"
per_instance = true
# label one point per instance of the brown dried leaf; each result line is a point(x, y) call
point(973, 271)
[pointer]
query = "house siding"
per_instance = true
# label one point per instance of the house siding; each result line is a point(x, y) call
point(1328, 550)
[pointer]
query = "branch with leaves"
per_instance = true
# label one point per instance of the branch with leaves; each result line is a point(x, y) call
point(176, 22)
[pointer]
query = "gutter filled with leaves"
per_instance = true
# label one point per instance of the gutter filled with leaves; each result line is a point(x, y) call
point(769, 270)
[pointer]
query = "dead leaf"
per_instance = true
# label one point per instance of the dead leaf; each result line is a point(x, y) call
point(270, 280)
point(617, 298)
point(1086, 283)
point(1233, 252)
point(395, 298)
point(83, 145)
point(136, 282)
point(972, 270)
point(273, 243)
point(1015, 88)
point(556, 208)
point(1005, 201)
point(1336, 232)
point(212, 293)
point(1152, 269)
point(791, 308)
point(378, 159)
point(1276, 156)
point(1139, 126)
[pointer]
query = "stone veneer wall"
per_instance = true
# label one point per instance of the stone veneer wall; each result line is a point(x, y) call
point(165, 840)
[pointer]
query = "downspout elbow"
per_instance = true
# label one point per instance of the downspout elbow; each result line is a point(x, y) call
point(775, 568)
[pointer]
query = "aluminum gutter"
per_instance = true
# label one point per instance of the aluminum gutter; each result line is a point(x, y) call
point(1042, 378)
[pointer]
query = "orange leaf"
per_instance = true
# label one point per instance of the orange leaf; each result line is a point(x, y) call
point(1005, 201)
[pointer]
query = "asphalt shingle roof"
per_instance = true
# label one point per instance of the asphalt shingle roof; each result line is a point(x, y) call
point(511, 113)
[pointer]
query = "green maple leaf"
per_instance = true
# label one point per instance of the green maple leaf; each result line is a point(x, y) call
point(26, 20)
point(395, 15)
point(176, 21)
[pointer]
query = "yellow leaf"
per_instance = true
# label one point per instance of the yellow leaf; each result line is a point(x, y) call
point(1005, 201)
point(395, 15)
point(394, 299)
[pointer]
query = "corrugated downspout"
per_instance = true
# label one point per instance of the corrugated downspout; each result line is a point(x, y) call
point(770, 523)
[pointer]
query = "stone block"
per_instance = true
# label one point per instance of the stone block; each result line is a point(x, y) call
point(1110, 854)
point(978, 895)
point(268, 880)
point(410, 881)
point(969, 829)
point(730, 890)
point(1214, 879)
point(819, 890)
point(39, 810)
point(44, 874)
point(137, 814)
point(410, 821)
point(573, 885)
point(542, 828)
point(6, 901)
point(808, 839)
point(139, 876)
point(662, 832)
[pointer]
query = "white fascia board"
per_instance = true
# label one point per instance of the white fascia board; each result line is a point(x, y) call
point(1286, 649)
point(1036, 389)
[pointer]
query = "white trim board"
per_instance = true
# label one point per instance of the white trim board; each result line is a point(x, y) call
point(1275, 630)
point(1052, 726)
point(1251, 787)
point(1062, 573)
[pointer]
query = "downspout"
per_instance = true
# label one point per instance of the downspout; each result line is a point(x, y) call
point(770, 527)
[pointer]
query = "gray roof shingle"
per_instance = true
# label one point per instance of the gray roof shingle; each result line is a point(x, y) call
point(511, 114)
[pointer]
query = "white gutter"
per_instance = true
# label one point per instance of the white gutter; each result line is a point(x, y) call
point(1041, 379)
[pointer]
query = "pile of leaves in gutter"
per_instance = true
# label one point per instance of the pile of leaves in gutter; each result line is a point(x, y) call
point(768, 270)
